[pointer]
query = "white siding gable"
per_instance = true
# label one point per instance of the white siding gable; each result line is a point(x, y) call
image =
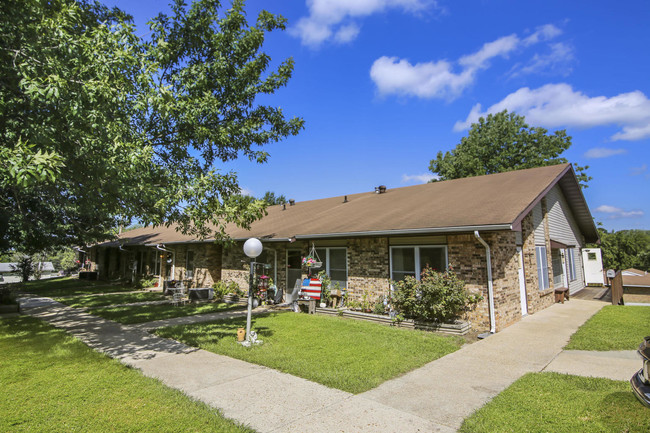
point(563, 228)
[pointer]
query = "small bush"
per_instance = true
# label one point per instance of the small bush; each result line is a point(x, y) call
point(379, 308)
point(220, 289)
point(437, 297)
point(144, 283)
point(7, 296)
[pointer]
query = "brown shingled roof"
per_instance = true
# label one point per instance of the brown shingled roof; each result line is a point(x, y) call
point(496, 201)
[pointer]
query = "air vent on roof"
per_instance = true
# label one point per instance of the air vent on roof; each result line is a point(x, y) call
point(291, 202)
point(345, 199)
point(380, 189)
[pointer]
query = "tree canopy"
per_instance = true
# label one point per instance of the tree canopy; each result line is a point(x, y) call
point(625, 249)
point(503, 142)
point(101, 127)
point(271, 199)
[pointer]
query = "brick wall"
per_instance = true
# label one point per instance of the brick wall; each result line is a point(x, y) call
point(467, 258)
point(368, 267)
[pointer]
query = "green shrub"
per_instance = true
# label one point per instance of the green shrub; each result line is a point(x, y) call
point(234, 288)
point(379, 308)
point(437, 297)
point(144, 283)
point(7, 296)
point(220, 289)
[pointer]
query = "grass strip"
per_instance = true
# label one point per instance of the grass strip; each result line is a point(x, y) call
point(149, 313)
point(70, 286)
point(559, 403)
point(350, 355)
point(52, 382)
point(94, 301)
point(615, 327)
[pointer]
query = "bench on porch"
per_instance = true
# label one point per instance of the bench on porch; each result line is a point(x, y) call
point(561, 293)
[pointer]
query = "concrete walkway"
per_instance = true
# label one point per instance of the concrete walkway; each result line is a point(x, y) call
point(615, 365)
point(434, 398)
point(449, 389)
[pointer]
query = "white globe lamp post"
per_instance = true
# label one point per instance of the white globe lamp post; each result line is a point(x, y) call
point(252, 248)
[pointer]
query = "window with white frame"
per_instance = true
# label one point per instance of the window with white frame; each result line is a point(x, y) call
point(571, 264)
point(542, 268)
point(412, 260)
point(335, 264)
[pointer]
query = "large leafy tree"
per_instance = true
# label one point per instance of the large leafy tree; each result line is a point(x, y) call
point(99, 126)
point(271, 199)
point(503, 142)
point(625, 249)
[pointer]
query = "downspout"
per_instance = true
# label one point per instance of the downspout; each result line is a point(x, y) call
point(490, 288)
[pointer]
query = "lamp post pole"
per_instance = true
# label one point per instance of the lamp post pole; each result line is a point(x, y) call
point(252, 248)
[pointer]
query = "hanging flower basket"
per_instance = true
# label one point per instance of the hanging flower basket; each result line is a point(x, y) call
point(311, 262)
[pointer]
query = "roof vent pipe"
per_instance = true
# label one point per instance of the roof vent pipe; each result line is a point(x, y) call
point(345, 199)
point(291, 202)
point(489, 275)
point(380, 189)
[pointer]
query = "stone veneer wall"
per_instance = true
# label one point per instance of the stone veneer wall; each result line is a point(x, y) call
point(368, 267)
point(207, 262)
point(234, 269)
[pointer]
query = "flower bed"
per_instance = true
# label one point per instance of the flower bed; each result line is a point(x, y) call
point(459, 327)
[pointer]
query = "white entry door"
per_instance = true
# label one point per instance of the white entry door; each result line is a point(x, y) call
point(522, 283)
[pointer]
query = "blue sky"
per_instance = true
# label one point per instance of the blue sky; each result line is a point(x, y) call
point(383, 85)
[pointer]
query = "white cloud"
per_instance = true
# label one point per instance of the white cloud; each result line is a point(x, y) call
point(500, 47)
point(246, 191)
point(556, 61)
point(603, 152)
point(438, 79)
point(555, 105)
point(637, 171)
point(347, 33)
point(422, 178)
point(542, 33)
point(617, 212)
point(326, 17)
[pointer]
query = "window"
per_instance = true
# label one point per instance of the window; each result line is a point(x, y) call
point(412, 261)
point(542, 267)
point(189, 265)
point(335, 264)
point(591, 257)
point(571, 264)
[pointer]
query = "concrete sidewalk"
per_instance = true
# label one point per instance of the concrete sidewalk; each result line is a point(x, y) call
point(449, 389)
point(615, 365)
point(434, 398)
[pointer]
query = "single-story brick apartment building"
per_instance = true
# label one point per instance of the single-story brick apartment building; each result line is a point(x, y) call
point(530, 225)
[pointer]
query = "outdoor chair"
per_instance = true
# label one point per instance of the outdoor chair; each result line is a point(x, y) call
point(178, 298)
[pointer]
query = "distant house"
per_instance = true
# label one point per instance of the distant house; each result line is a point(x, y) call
point(636, 286)
point(534, 222)
point(10, 268)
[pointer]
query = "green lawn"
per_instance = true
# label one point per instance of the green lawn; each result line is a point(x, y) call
point(552, 402)
point(149, 313)
point(615, 327)
point(51, 382)
point(350, 355)
point(90, 301)
point(70, 286)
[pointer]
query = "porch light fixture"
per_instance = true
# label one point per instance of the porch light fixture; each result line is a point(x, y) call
point(252, 248)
